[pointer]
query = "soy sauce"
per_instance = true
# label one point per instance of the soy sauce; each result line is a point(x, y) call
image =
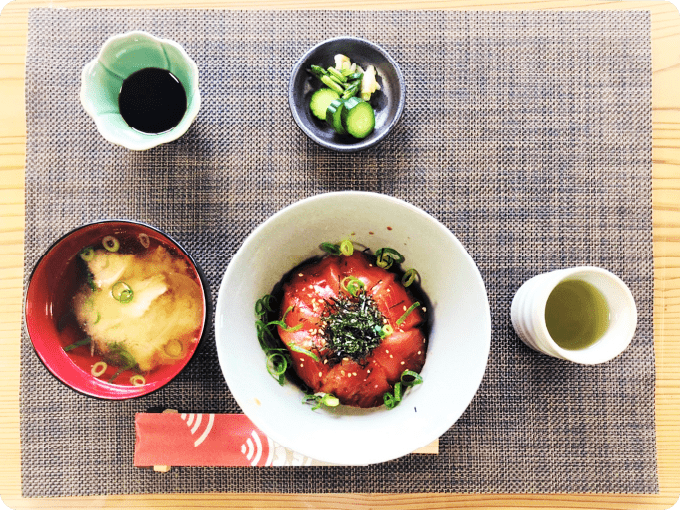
point(152, 100)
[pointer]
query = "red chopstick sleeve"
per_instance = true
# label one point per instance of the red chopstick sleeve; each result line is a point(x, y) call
point(174, 439)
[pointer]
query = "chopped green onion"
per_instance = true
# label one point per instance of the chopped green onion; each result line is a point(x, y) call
point(263, 305)
point(144, 239)
point(330, 248)
point(99, 317)
point(398, 392)
point(386, 331)
point(409, 277)
point(385, 257)
point(407, 313)
point(263, 332)
point(327, 399)
point(87, 254)
point(111, 243)
point(304, 351)
point(99, 368)
point(283, 324)
point(390, 402)
point(118, 372)
point(408, 378)
point(330, 400)
point(127, 361)
point(137, 380)
point(277, 364)
point(346, 247)
point(90, 282)
point(84, 341)
point(352, 285)
point(411, 378)
point(122, 292)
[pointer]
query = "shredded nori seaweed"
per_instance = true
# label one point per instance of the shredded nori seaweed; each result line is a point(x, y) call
point(352, 327)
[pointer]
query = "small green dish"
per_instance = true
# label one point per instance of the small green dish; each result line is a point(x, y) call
point(119, 57)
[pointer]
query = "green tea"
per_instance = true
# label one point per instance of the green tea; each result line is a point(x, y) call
point(576, 314)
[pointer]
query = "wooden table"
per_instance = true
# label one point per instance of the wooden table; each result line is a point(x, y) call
point(666, 226)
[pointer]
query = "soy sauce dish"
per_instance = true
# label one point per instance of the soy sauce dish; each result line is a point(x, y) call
point(115, 309)
point(141, 90)
point(386, 100)
point(287, 257)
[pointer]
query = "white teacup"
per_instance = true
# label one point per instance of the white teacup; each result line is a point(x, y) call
point(529, 318)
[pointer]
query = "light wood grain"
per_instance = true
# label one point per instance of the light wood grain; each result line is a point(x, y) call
point(666, 221)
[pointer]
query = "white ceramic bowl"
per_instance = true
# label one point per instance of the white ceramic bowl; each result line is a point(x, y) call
point(459, 339)
point(119, 57)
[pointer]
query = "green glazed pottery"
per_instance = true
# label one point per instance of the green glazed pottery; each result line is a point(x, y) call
point(119, 57)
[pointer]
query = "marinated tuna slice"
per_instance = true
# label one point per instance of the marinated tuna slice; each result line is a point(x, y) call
point(402, 350)
point(356, 385)
point(351, 328)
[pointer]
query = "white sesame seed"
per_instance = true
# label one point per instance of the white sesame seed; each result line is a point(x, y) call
point(301, 365)
point(349, 375)
point(391, 356)
point(342, 372)
point(300, 274)
point(325, 362)
point(420, 352)
point(387, 351)
point(354, 374)
point(368, 371)
point(320, 374)
point(424, 309)
point(404, 307)
point(403, 363)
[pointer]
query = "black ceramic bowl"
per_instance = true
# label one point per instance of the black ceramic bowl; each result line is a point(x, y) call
point(388, 102)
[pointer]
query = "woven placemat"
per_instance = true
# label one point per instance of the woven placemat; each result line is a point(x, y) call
point(527, 133)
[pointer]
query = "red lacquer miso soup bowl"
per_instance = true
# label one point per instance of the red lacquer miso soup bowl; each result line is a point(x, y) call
point(116, 309)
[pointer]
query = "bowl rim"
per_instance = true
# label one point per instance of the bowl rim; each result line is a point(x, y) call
point(205, 291)
point(406, 448)
point(363, 144)
point(151, 140)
